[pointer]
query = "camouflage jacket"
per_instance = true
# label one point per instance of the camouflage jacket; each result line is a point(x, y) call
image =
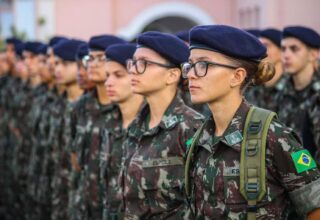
point(90, 122)
point(113, 136)
point(265, 97)
point(292, 107)
point(311, 127)
point(59, 183)
point(215, 174)
point(153, 163)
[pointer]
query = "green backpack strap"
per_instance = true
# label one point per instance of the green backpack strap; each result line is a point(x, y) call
point(194, 142)
point(253, 158)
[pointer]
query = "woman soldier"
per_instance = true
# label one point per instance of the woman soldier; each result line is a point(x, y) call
point(223, 62)
point(158, 138)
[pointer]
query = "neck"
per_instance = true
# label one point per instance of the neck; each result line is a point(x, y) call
point(35, 81)
point(61, 89)
point(129, 109)
point(102, 94)
point(50, 84)
point(73, 92)
point(303, 78)
point(277, 75)
point(223, 111)
point(158, 104)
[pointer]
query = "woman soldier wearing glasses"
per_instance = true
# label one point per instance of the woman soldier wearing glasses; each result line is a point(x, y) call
point(158, 137)
point(223, 62)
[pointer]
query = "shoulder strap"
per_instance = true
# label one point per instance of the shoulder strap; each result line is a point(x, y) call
point(194, 142)
point(253, 153)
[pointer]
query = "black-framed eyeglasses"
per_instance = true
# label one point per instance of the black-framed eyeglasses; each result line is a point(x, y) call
point(141, 65)
point(99, 59)
point(201, 68)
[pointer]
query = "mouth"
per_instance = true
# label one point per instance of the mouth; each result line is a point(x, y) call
point(110, 93)
point(193, 88)
point(134, 82)
point(287, 64)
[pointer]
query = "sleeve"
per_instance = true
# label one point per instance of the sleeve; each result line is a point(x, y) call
point(295, 168)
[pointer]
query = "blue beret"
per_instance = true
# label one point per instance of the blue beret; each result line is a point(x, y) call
point(67, 49)
point(19, 49)
point(227, 40)
point(183, 35)
point(32, 46)
point(254, 32)
point(82, 51)
point(272, 34)
point(13, 40)
point(167, 45)
point(101, 42)
point(54, 40)
point(120, 52)
point(304, 34)
point(42, 49)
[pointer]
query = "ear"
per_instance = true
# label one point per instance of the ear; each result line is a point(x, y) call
point(238, 77)
point(314, 54)
point(174, 75)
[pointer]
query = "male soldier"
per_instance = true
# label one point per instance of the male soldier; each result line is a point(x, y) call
point(265, 96)
point(82, 77)
point(94, 114)
point(10, 87)
point(88, 86)
point(119, 91)
point(59, 136)
point(300, 47)
point(39, 116)
point(311, 127)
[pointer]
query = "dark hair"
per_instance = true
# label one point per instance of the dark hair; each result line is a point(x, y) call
point(257, 72)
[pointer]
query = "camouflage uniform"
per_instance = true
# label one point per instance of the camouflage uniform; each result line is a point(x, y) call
point(215, 175)
point(113, 137)
point(37, 148)
point(79, 117)
point(267, 97)
point(45, 170)
point(90, 127)
point(59, 181)
point(3, 81)
point(154, 162)
point(22, 102)
point(7, 146)
point(311, 127)
point(292, 107)
point(17, 107)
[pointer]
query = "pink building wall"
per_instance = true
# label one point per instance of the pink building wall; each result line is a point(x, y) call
point(84, 18)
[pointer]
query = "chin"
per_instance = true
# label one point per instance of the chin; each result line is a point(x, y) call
point(137, 91)
point(196, 100)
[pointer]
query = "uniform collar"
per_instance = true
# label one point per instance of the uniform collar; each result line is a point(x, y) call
point(313, 85)
point(172, 116)
point(232, 136)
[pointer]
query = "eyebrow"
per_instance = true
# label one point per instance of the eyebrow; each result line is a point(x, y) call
point(200, 59)
point(140, 58)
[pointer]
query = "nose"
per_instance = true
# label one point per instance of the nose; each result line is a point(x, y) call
point(191, 74)
point(131, 69)
point(109, 81)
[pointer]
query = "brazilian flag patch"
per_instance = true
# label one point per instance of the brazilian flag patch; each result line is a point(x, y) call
point(188, 142)
point(303, 161)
